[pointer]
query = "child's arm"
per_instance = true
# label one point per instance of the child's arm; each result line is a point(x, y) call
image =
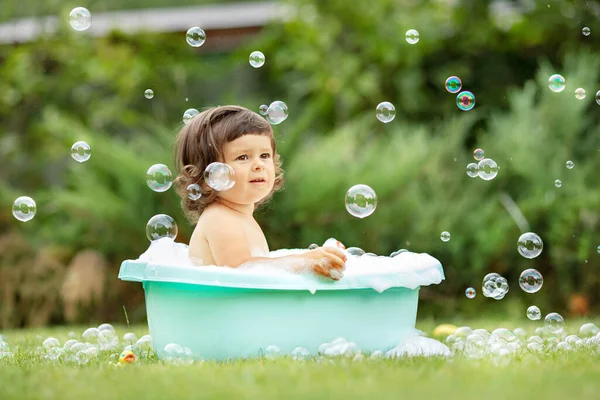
point(230, 247)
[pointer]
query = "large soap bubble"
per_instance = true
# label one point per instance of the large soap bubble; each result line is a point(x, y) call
point(554, 322)
point(487, 169)
point(24, 208)
point(530, 245)
point(159, 178)
point(277, 112)
point(361, 201)
point(385, 112)
point(160, 226)
point(531, 280)
point(80, 18)
point(81, 151)
point(219, 176)
point(195, 36)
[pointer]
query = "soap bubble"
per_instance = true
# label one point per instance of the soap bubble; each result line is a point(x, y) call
point(24, 208)
point(107, 340)
point(257, 59)
point(586, 31)
point(174, 353)
point(445, 236)
point(478, 154)
point(495, 286)
point(159, 178)
point(465, 100)
point(530, 245)
point(80, 18)
point(90, 334)
point(385, 112)
point(195, 36)
point(262, 110)
point(189, 114)
point(558, 183)
point(531, 280)
point(412, 36)
point(470, 293)
point(398, 252)
point(106, 327)
point(570, 164)
point(598, 97)
point(81, 151)
point(556, 83)
point(160, 226)
point(130, 338)
point(472, 170)
point(554, 322)
point(272, 352)
point(300, 353)
point(194, 192)
point(219, 176)
point(579, 93)
point(487, 169)
point(50, 343)
point(356, 251)
point(361, 201)
point(588, 330)
point(453, 84)
point(149, 93)
point(277, 112)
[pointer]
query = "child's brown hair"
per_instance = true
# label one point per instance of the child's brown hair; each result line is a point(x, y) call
point(201, 141)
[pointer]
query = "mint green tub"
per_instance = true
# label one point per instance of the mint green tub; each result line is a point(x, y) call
point(222, 313)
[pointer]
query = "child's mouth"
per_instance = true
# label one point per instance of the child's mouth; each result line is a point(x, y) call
point(258, 181)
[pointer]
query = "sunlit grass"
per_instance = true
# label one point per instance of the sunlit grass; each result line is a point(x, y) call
point(549, 376)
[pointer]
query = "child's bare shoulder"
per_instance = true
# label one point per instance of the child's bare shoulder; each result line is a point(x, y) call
point(217, 215)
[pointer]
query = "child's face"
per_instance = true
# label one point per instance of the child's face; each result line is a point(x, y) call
point(251, 157)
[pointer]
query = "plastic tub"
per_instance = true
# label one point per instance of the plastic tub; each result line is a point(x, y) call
point(222, 313)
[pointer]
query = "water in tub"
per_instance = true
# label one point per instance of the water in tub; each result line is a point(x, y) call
point(411, 269)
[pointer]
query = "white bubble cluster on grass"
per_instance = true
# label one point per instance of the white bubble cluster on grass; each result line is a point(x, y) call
point(360, 201)
point(219, 176)
point(24, 208)
point(81, 151)
point(159, 178)
point(80, 18)
point(161, 226)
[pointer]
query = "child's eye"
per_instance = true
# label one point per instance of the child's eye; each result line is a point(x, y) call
point(265, 155)
point(243, 158)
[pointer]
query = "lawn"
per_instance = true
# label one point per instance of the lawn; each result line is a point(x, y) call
point(570, 375)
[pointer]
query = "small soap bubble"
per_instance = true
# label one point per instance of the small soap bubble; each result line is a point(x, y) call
point(445, 236)
point(219, 176)
point(159, 178)
point(579, 93)
point(356, 251)
point(558, 183)
point(478, 154)
point(598, 97)
point(531, 280)
point(570, 164)
point(453, 84)
point(277, 112)
point(81, 151)
point(598, 249)
point(300, 353)
point(24, 208)
point(412, 36)
point(149, 93)
point(272, 352)
point(530, 245)
point(50, 343)
point(556, 83)
point(465, 100)
point(313, 246)
point(195, 36)
point(174, 353)
point(257, 59)
point(360, 201)
point(397, 252)
point(487, 169)
point(194, 192)
point(189, 114)
point(80, 18)
point(470, 293)
point(472, 170)
point(106, 327)
point(262, 110)
point(385, 112)
point(554, 322)
point(586, 31)
point(130, 338)
point(160, 226)
point(588, 330)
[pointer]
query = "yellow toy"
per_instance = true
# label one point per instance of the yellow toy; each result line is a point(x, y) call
point(444, 330)
point(127, 357)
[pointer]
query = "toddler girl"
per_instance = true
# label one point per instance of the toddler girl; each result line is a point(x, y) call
point(226, 232)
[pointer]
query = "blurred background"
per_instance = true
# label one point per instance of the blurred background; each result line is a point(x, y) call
point(332, 62)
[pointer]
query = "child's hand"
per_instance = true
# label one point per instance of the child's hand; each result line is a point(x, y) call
point(327, 261)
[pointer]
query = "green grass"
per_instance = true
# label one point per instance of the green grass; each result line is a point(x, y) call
point(555, 376)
